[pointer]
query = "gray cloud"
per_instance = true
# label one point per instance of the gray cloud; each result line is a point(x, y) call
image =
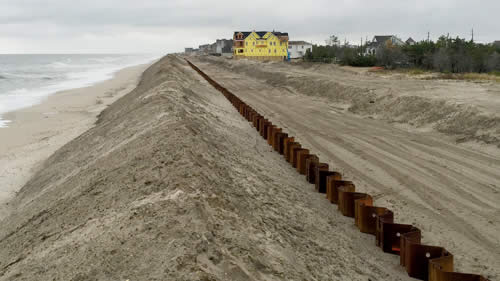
point(169, 25)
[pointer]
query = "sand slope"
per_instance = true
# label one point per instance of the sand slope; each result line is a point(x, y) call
point(450, 191)
point(173, 184)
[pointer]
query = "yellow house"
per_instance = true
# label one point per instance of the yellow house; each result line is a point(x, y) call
point(260, 45)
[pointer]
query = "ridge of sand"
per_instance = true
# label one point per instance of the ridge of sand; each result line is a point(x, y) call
point(173, 184)
point(38, 131)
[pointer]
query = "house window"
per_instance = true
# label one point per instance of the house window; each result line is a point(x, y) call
point(275, 51)
point(246, 43)
point(269, 51)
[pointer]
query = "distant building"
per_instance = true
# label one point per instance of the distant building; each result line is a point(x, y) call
point(381, 41)
point(224, 46)
point(260, 45)
point(204, 49)
point(497, 44)
point(297, 49)
point(410, 42)
point(188, 50)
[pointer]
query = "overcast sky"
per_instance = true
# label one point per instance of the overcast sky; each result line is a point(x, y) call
point(161, 26)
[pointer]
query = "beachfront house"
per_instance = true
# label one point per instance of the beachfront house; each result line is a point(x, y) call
point(224, 47)
point(381, 41)
point(297, 49)
point(260, 45)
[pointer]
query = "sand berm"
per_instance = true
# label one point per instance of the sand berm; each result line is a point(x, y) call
point(173, 184)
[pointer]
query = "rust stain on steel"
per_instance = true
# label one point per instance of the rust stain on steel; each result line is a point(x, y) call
point(291, 151)
point(278, 142)
point(420, 261)
point(310, 168)
point(294, 154)
point(301, 160)
point(332, 189)
point(347, 200)
point(366, 215)
point(286, 147)
point(274, 131)
point(270, 129)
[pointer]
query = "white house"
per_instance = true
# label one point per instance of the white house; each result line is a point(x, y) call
point(297, 49)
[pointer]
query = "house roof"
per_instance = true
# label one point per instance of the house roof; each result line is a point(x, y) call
point(298, 43)
point(277, 33)
point(245, 33)
point(382, 38)
point(410, 40)
point(260, 33)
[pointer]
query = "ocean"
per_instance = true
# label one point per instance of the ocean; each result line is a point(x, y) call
point(25, 80)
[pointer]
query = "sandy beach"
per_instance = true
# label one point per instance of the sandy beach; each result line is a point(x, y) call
point(36, 132)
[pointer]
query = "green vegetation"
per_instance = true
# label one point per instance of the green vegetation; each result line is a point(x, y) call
point(446, 55)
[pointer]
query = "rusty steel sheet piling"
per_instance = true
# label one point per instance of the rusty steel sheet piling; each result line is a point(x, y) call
point(347, 201)
point(281, 143)
point(332, 189)
point(320, 167)
point(278, 141)
point(291, 151)
point(270, 129)
point(322, 177)
point(293, 155)
point(366, 215)
point(264, 128)
point(389, 235)
point(301, 160)
point(423, 262)
point(274, 131)
point(286, 147)
point(311, 163)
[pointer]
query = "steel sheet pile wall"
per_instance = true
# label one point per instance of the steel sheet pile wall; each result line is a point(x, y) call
point(421, 261)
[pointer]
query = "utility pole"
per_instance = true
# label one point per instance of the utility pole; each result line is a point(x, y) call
point(428, 36)
point(361, 45)
point(472, 35)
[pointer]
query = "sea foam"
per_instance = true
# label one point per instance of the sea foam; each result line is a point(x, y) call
point(25, 80)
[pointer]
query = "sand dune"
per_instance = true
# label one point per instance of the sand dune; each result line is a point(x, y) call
point(173, 184)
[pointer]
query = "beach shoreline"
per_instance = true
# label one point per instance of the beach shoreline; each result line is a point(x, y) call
point(34, 133)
